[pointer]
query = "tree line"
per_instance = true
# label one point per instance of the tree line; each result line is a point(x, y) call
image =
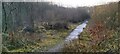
point(17, 15)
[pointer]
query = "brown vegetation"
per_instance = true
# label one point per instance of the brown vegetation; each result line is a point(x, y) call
point(102, 32)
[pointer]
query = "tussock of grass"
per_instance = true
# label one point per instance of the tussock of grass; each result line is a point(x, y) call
point(52, 38)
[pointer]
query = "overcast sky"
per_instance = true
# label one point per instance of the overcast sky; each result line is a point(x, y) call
point(70, 3)
point(76, 3)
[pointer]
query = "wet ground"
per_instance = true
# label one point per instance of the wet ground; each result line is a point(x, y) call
point(73, 35)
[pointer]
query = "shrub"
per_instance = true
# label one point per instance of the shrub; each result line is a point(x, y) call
point(101, 33)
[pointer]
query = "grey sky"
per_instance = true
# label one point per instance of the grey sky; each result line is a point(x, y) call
point(70, 3)
point(75, 3)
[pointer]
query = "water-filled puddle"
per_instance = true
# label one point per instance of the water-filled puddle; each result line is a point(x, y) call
point(73, 35)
